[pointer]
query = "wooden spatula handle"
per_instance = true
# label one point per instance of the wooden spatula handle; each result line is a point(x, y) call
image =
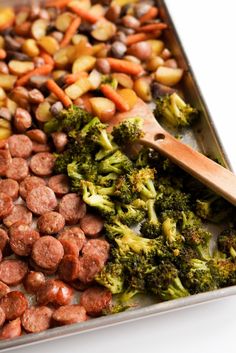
point(213, 175)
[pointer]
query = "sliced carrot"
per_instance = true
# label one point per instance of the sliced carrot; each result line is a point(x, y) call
point(42, 70)
point(54, 88)
point(125, 66)
point(150, 15)
point(85, 14)
point(47, 58)
point(153, 27)
point(3, 54)
point(57, 3)
point(139, 37)
point(71, 30)
point(72, 78)
point(115, 97)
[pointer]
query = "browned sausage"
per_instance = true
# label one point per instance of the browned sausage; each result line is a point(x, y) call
point(5, 160)
point(37, 319)
point(19, 213)
point(55, 292)
point(59, 184)
point(47, 252)
point(72, 208)
point(14, 304)
point(69, 314)
point(80, 286)
point(6, 205)
point(12, 272)
point(69, 267)
point(11, 330)
point(60, 140)
point(22, 238)
point(95, 300)
point(10, 187)
point(41, 199)
point(22, 120)
point(20, 146)
point(37, 268)
point(95, 254)
point(33, 281)
point(18, 169)
point(65, 293)
point(2, 317)
point(97, 247)
point(51, 222)
point(29, 183)
point(42, 163)
point(37, 135)
point(40, 147)
point(74, 235)
point(70, 247)
point(4, 289)
point(91, 225)
point(4, 239)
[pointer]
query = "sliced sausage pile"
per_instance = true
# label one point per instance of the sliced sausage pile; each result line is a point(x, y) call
point(45, 230)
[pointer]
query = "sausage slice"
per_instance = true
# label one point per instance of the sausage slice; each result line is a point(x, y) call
point(6, 205)
point(47, 252)
point(51, 222)
point(59, 184)
point(13, 304)
point(91, 225)
point(10, 187)
point(22, 238)
point(18, 169)
point(33, 281)
point(12, 272)
point(20, 146)
point(42, 163)
point(37, 319)
point(11, 330)
point(41, 200)
point(69, 268)
point(72, 208)
point(29, 183)
point(19, 213)
point(69, 314)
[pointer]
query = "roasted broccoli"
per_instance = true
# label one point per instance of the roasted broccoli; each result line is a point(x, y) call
point(199, 239)
point(172, 200)
point(165, 282)
point(197, 277)
point(129, 131)
point(142, 181)
point(214, 209)
point(132, 213)
point(92, 198)
point(174, 110)
point(117, 163)
point(112, 277)
point(123, 190)
point(227, 242)
point(173, 238)
point(151, 227)
point(223, 271)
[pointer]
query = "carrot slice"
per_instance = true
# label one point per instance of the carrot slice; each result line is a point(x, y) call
point(54, 88)
point(47, 58)
point(139, 37)
point(125, 66)
point(115, 97)
point(85, 14)
point(72, 78)
point(153, 27)
point(150, 15)
point(42, 70)
point(71, 30)
point(3, 54)
point(57, 3)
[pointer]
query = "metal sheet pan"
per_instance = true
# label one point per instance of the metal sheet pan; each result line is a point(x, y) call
point(205, 138)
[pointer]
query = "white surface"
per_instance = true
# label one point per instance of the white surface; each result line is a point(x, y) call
point(208, 30)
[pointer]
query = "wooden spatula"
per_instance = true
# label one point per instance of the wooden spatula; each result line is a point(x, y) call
point(213, 175)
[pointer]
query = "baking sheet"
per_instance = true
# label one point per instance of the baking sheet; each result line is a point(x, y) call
point(204, 138)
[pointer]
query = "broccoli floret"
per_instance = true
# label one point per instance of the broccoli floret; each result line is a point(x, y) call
point(109, 80)
point(104, 153)
point(151, 228)
point(175, 111)
point(95, 131)
point(129, 131)
point(173, 238)
point(189, 219)
point(127, 240)
point(117, 163)
point(132, 213)
point(223, 271)
point(175, 200)
point(214, 209)
point(67, 120)
point(123, 190)
point(107, 180)
point(227, 242)
point(142, 159)
point(112, 277)
point(83, 167)
point(199, 239)
point(92, 198)
point(197, 277)
point(142, 181)
point(165, 282)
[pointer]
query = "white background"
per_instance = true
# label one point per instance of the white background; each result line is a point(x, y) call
point(208, 30)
